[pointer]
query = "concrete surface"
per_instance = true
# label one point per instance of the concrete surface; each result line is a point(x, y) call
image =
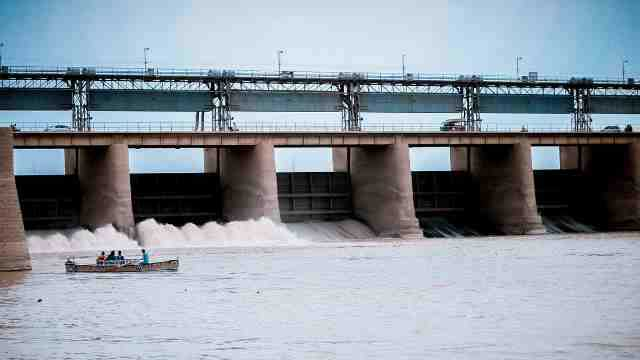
point(569, 157)
point(70, 161)
point(502, 178)
point(613, 178)
point(313, 139)
point(381, 190)
point(458, 158)
point(103, 173)
point(249, 185)
point(339, 158)
point(210, 160)
point(14, 253)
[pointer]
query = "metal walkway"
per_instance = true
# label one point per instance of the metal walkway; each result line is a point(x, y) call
point(222, 92)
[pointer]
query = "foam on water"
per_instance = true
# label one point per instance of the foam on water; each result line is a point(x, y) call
point(332, 231)
point(151, 234)
point(249, 233)
point(106, 237)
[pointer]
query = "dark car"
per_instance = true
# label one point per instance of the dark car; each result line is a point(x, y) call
point(452, 125)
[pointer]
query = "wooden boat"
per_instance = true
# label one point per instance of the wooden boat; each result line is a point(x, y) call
point(122, 266)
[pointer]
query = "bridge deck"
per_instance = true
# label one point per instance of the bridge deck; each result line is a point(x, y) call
point(309, 139)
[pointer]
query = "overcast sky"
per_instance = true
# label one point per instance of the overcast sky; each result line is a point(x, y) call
point(586, 37)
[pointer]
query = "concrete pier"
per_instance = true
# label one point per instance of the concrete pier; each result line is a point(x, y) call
point(211, 160)
point(340, 158)
point(382, 191)
point(71, 161)
point(570, 157)
point(103, 173)
point(458, 158)
point(14, 253)
point(613, 178)
point(249, 185)
point(502, 176)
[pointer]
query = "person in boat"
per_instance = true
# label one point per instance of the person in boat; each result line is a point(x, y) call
point(101, 259)
point(145, 257)
point(120, 257)
point(112, 256)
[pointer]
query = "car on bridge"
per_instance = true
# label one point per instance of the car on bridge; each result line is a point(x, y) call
point(58, 128)
point(611, 129)
point(452, 125)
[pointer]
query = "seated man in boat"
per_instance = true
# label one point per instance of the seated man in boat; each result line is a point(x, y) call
point(112, 256)
point(101, 259)
point(145, 257)
point(120, 257)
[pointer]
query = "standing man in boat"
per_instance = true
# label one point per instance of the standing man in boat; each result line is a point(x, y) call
point(145, 257)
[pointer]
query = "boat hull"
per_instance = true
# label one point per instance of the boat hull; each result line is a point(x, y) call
point(170, 265)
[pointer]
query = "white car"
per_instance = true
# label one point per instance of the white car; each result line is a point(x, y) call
point(611, 129)
point(58, 128)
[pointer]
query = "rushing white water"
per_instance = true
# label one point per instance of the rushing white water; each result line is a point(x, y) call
point(250, 233)
point(151, 234)
point(332, 231)
point(106, 237)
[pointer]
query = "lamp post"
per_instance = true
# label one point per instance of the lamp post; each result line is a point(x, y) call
point(1, 46)
point(518, 66)
point(624, 62)
point(146, 62)
point(280, 53)
point(404, 72)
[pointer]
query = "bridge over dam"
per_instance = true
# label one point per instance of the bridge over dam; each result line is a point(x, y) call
point(491, 182)
point(87, 90)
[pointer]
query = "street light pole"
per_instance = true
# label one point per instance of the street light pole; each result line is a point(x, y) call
point(518, 66)
point(146, 62)
point(623, 62)
point(280, 52)
point(404, 73)
point(1, 46)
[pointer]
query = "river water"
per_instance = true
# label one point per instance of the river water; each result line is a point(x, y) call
point(547, 297)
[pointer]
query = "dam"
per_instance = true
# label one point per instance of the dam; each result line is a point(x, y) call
point(492, 184)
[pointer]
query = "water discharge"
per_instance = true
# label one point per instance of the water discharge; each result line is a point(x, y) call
point(78, 240)
point(251, 233)
point(151, 234)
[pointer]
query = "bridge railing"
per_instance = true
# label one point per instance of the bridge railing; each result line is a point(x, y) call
point(284, 75)
point(275, 127)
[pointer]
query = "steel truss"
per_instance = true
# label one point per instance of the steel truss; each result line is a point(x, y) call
point(581, 110)
point(221, 119)
point(349, 106)
point(349, 90)
point(470, 112)
point(80, 116)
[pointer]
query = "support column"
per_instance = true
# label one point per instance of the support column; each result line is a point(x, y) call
point(70, 161)
point(103, 173)
point(14, 253)
point(211, 160)
point(569, 157)
point(249, 186)
point(382, 192)
point(459, 158)
point(612, 194)
point(339, 157)
point(503, 179)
